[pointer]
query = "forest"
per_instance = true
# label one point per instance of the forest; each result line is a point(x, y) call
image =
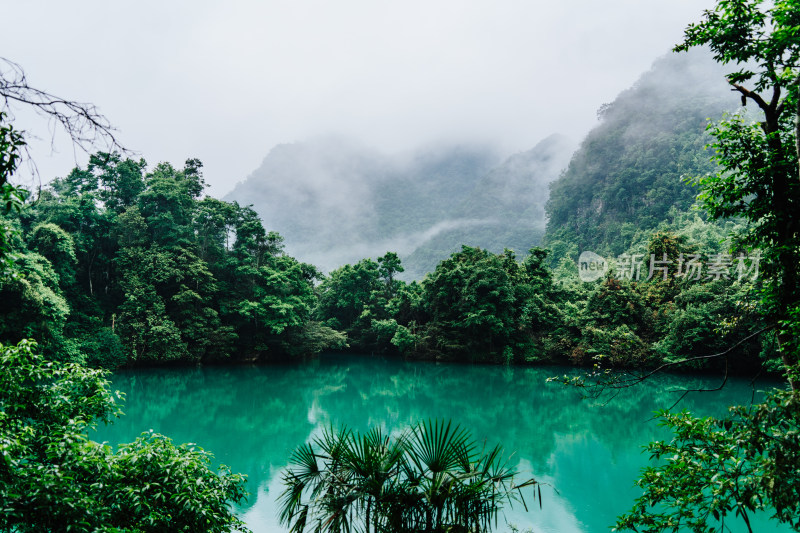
point(124, 267)
point(122, 264)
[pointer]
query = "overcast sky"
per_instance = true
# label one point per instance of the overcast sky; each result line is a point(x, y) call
point(226, 81)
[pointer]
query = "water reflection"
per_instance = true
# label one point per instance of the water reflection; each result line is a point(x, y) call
point(253, 417)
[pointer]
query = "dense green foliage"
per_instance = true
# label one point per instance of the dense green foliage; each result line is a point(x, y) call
point(433, 478)
point(476, 304)
point(479, 306)
point(117, 264)
point(627, 175)
point(720, 470)
point(123, 266)
point(749, 460)
point(53, 478)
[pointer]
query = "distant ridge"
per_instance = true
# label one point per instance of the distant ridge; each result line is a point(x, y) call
point(336, 201)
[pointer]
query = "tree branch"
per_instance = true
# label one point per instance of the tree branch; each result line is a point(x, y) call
point(609, 381)
point(747, 93)
point(776, 98)
point(661, 368)
point(83, 122)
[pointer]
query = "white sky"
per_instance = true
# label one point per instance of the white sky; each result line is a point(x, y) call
point(226, 81)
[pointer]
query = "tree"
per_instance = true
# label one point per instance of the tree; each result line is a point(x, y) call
point(487, 307)
point(53, 478)
point(349, 297)
point(716, 469)
point(32, 305)
point(749, 460)
point(432, 478)
point(84, 124)
point(760, 178)
point(390, 266)
point(470, 299)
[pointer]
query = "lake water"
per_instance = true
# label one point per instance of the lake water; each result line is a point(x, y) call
point(252, 418)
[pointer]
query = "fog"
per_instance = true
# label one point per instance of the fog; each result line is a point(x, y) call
point(227, 81)
point(336, 200)
point(329, 258)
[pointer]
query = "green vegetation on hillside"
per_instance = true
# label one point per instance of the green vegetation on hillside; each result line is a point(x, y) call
point(628, 174)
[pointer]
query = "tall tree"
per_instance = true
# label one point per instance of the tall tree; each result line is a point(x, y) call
point(750, 460)
point(760, 178)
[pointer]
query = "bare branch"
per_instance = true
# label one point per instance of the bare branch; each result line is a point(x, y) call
point(665, 366)
point(609, 380)
point(87, 127)
point(687, 391)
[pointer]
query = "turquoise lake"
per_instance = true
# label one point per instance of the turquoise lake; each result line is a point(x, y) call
point(589, 452)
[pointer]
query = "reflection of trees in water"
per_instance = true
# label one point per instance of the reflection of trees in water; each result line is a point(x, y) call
point(514, 405)
point(253, 417)
point(590, 450)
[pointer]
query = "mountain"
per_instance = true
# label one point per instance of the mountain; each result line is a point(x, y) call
point(335, 201)
point(628, 173)
point(505, 209)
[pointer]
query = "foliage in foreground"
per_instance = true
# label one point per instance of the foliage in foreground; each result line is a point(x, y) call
point(432, 478)
point(715, 470)
point(54, 478)
point(750, 460)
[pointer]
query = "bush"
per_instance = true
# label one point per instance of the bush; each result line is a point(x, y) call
point(53, 478)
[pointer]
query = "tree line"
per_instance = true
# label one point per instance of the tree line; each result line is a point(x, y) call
point(120, 265)
point(130, 265)
point(477, 306)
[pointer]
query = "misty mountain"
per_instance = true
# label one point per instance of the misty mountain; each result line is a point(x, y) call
point(505, 209)
point(628, 173)
point(336, 201)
